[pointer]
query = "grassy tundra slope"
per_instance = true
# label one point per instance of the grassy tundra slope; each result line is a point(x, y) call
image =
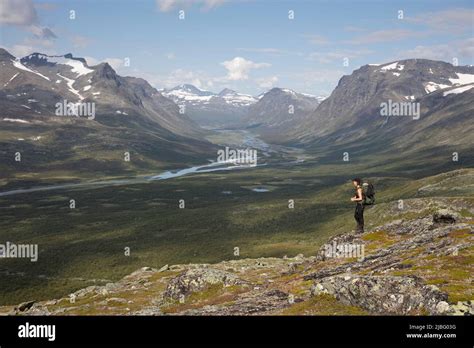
point(261, 225)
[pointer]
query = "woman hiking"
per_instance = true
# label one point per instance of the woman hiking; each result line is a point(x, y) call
point(359, 209)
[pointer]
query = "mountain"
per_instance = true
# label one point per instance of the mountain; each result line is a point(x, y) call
point(208, 108)
point(130, 116)
point(351, 118)
point(279, 111)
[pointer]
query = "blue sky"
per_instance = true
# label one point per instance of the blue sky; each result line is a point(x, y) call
point(247, 45)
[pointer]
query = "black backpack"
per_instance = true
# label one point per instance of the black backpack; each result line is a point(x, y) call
point(369, 193)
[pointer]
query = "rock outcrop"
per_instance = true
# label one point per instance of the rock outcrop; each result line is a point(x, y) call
point(384, 294)
point(198, 279)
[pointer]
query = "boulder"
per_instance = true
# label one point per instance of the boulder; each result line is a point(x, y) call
point(198, 279)
point(384, 294)
point(463, 308)
point(23, 307)
point(445, 216)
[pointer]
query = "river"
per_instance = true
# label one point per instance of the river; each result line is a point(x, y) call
point(246, 139)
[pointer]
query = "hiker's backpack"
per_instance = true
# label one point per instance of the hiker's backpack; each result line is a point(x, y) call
point(369, 193)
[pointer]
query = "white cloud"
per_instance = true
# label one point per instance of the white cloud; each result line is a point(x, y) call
point(337, 56)
point(41, 32)
point(317, 82)
point(20, 50)
point(180, 76)
point(269, 50)
point(115, 63)
point(31, 45)
point(168, 5)
point(208, 4)
point(79, 41)
point(239, 68)
point(267, 82)
point(39, 44)
point(353, 28)
point(389, 35)
point(22, 13)
point(261, 50)
point(453, 20)
point(18, 12)
point(462, 49)
point(317, 39)
point(177, 77)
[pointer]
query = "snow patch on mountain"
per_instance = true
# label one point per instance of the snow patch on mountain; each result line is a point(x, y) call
point(77, 66)
point(17, 64)
point(18, 120)
point(286, 90)
point(458, 90)
point(70, 83)
point(239, 99)
point(463, 79)
point(433, 86)
point(192, 95)
point(13, 77)
point(392, 66)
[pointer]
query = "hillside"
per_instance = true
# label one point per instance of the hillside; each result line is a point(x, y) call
point(278, 112)
point(127, 115)
point(350, 119)
point(416, 259)
point(357, 97)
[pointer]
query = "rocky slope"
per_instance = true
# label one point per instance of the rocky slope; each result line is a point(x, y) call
point(418, 262)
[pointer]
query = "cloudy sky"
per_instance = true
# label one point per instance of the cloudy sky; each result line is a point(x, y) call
point(247, 45)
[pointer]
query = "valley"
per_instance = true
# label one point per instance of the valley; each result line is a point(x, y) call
point(140, 184)
point(225, 208)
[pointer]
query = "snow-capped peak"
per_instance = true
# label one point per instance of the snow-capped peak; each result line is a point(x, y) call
point(78, 65)
point(227, 91)
point(192, 95)
point(190, 89)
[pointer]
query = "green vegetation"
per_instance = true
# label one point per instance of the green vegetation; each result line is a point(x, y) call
point(323, 304)
point(86, 245)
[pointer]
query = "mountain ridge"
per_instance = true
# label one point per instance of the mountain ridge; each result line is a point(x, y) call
point(130, 115)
